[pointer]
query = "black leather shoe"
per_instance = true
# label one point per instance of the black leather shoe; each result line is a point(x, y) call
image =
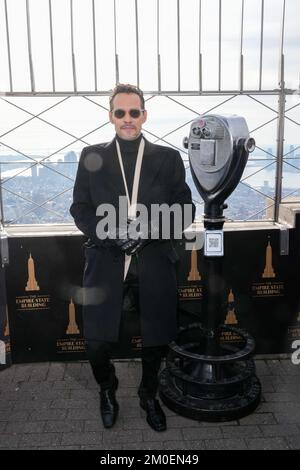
point(155, 416)
point(109, 407)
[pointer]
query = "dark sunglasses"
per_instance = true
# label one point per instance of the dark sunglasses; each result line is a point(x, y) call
point(134, 113)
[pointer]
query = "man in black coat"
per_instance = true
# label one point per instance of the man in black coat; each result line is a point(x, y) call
point(119, 262)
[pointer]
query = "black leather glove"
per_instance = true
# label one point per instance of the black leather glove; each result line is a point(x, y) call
point(120, 240)
point(132, 245)
point(146, 235)
point(128, 245)
point(135, 246)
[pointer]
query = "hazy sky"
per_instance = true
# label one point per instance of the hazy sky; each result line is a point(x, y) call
point(79, 116)
point(149, 35)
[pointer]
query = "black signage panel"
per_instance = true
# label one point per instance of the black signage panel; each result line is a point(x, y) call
point(44, 295)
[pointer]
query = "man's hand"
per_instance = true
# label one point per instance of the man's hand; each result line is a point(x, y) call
point(136, 246)
point(121, 240)
point(131, 241)
point(128, 245)
point(145, 235)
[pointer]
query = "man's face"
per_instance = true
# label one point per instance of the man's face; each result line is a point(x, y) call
point(127, 127)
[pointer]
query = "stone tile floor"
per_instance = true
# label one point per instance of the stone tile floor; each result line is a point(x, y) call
point(56, 406)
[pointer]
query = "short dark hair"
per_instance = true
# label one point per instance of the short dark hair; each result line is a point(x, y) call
point(125, 88)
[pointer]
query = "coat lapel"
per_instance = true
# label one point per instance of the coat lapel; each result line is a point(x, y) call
point(112, 170)
point(151, 164)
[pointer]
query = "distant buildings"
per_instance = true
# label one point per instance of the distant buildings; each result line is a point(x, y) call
point(53, 192)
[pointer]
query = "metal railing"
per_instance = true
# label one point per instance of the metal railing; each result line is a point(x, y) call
point(176, 95)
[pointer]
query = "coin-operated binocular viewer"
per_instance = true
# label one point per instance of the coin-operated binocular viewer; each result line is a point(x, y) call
point(207, 378)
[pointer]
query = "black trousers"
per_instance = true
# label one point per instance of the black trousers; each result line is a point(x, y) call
point(99, 352)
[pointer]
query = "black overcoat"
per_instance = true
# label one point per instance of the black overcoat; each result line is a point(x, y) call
point(99, 180)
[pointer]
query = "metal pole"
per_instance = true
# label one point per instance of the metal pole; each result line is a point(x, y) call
point(261, 42)
point(1, 200)
point(158, 54)
point(213, 305)
point(279, 152)
point(241, 50)
point(137, 45)
point(51, 45)
point(95, 47)
point(195, 92)
point(200, 52)
point(29, 46)
point(280, 125)
point(220, 43)
point(178, 44)
point(72, 47)
point(115, 39)
point(8, 47)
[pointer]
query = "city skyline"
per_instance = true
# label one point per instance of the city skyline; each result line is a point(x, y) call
point(49, 189)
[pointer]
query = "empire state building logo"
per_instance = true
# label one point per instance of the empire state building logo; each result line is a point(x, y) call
point(72, 328)
point(194, 274)
point(231, 316)
point(31, 283)
point(6, 329)
point(269, 270)
point(268, 287)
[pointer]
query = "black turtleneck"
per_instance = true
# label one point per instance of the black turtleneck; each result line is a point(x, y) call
point(129, 150)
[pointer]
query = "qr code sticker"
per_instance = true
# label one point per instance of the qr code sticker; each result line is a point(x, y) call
point(213, 242)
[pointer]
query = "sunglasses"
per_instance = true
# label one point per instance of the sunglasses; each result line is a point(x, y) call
point(134, 113)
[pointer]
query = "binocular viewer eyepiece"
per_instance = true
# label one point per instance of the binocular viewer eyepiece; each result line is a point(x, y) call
point(218, 148)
